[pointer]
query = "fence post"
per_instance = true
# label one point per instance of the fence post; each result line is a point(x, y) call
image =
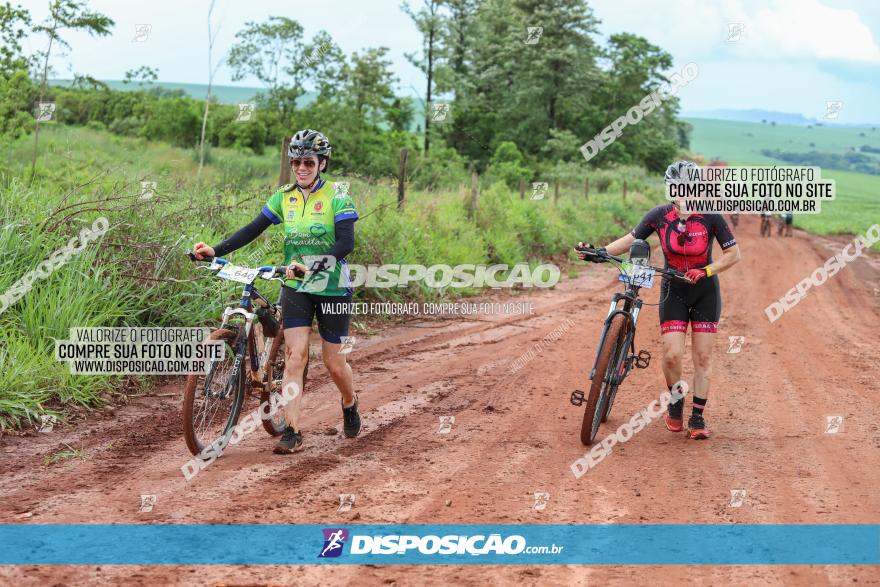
point(555, 191)
point(624, 189)
point(284, 176)
point(401, 179)
point(587, 188)
point(475, 189)
point(522, 189)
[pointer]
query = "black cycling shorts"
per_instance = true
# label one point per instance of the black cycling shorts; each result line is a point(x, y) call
point(698, 303)
point(334, 313)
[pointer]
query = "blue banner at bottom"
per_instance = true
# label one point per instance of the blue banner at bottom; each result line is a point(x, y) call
point(454, 544)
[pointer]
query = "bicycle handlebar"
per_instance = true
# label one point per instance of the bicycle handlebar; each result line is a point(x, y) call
point(277, 270)
point(606, 257)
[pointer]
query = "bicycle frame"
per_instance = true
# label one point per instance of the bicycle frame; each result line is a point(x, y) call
point(243, 309)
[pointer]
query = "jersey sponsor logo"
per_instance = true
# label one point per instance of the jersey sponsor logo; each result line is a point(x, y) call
point(318, 206)
point(317, 230)
point(291, 215)
point(292, 199)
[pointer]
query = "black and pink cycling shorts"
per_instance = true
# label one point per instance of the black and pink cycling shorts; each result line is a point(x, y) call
point(698, 303)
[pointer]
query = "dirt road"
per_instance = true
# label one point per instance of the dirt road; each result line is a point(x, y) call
point(515, 434)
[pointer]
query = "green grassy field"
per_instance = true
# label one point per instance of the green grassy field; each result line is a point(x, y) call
point(857, 205)
point(742, 142)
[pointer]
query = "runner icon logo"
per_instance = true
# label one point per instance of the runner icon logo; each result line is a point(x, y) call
point(346, 500)
point(446, 423)
point(334, 540)
point(147, 503)
point(737, 497)
point(735, 344)
point(47, 423)
point(833, 424)
point(541, 500)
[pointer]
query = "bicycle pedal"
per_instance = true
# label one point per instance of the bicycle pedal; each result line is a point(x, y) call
point(643, 359)
point(577, 398)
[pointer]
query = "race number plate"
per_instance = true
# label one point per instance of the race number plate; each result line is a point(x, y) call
point(637, 275)
point(239, 274)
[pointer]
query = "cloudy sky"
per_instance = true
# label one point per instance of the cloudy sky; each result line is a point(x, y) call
point(784, 55)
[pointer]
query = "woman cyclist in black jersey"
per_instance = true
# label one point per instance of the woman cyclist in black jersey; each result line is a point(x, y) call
point(686, 240)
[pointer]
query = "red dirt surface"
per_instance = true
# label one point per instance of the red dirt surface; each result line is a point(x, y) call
point(514, 434)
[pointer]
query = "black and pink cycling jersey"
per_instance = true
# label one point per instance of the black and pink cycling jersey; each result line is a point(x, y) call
point(687, 245)
point(694, 249)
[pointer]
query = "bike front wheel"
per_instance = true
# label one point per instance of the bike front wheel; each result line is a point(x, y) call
point(617, 359)
point(212, 401)
point(601, 385)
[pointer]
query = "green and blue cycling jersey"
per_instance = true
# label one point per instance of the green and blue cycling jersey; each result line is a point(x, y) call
point(309, 223)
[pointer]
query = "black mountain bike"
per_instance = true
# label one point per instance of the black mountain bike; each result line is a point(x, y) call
point(616, 355)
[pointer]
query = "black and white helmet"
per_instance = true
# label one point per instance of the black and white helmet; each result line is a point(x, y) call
point(680, 171)
point(309, 142)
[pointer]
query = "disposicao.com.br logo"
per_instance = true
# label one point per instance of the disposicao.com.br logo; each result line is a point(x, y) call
point(411, 544)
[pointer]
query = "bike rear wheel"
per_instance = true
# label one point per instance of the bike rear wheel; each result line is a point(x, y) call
point(271, 395)
point(600, 386)
point(212, 401)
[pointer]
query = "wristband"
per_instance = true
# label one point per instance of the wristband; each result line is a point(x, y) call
point(708, 269)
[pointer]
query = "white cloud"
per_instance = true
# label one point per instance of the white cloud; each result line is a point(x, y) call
point(807, 29)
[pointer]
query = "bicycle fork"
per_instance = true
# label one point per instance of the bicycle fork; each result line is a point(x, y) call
point(640, 360)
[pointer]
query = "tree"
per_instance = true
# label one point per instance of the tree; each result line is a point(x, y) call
point(400, 114)
point(370, 86)
point(14, 23)
point(457, 38)
point(428, 22)
point(65, 15)
point(140, 75)
point(270, 51)
point(507, 165)
point(212, 70)
point(327, 64)
point(16, 90)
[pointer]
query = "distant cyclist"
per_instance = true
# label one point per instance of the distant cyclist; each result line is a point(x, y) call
point(788, 218)
point(318, 220)
point(766, 229)
point(686, 240)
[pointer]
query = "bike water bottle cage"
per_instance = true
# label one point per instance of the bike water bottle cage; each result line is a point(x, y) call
point(640, 252)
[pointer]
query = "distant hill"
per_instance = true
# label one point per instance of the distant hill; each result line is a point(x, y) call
point(753, 115)
point(224, 94)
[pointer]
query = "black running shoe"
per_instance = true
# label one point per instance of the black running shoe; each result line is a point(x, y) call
point(674, 416)
point(697, 429)
point(291, 441)
point(351, 420)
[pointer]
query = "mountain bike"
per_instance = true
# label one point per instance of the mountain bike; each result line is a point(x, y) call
point(616, 355)
point(766, 229)
point(252, 361)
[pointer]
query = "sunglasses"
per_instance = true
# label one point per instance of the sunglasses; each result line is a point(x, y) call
point(307, 163)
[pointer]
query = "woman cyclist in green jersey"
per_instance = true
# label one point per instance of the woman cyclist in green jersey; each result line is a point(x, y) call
point(318, 222)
